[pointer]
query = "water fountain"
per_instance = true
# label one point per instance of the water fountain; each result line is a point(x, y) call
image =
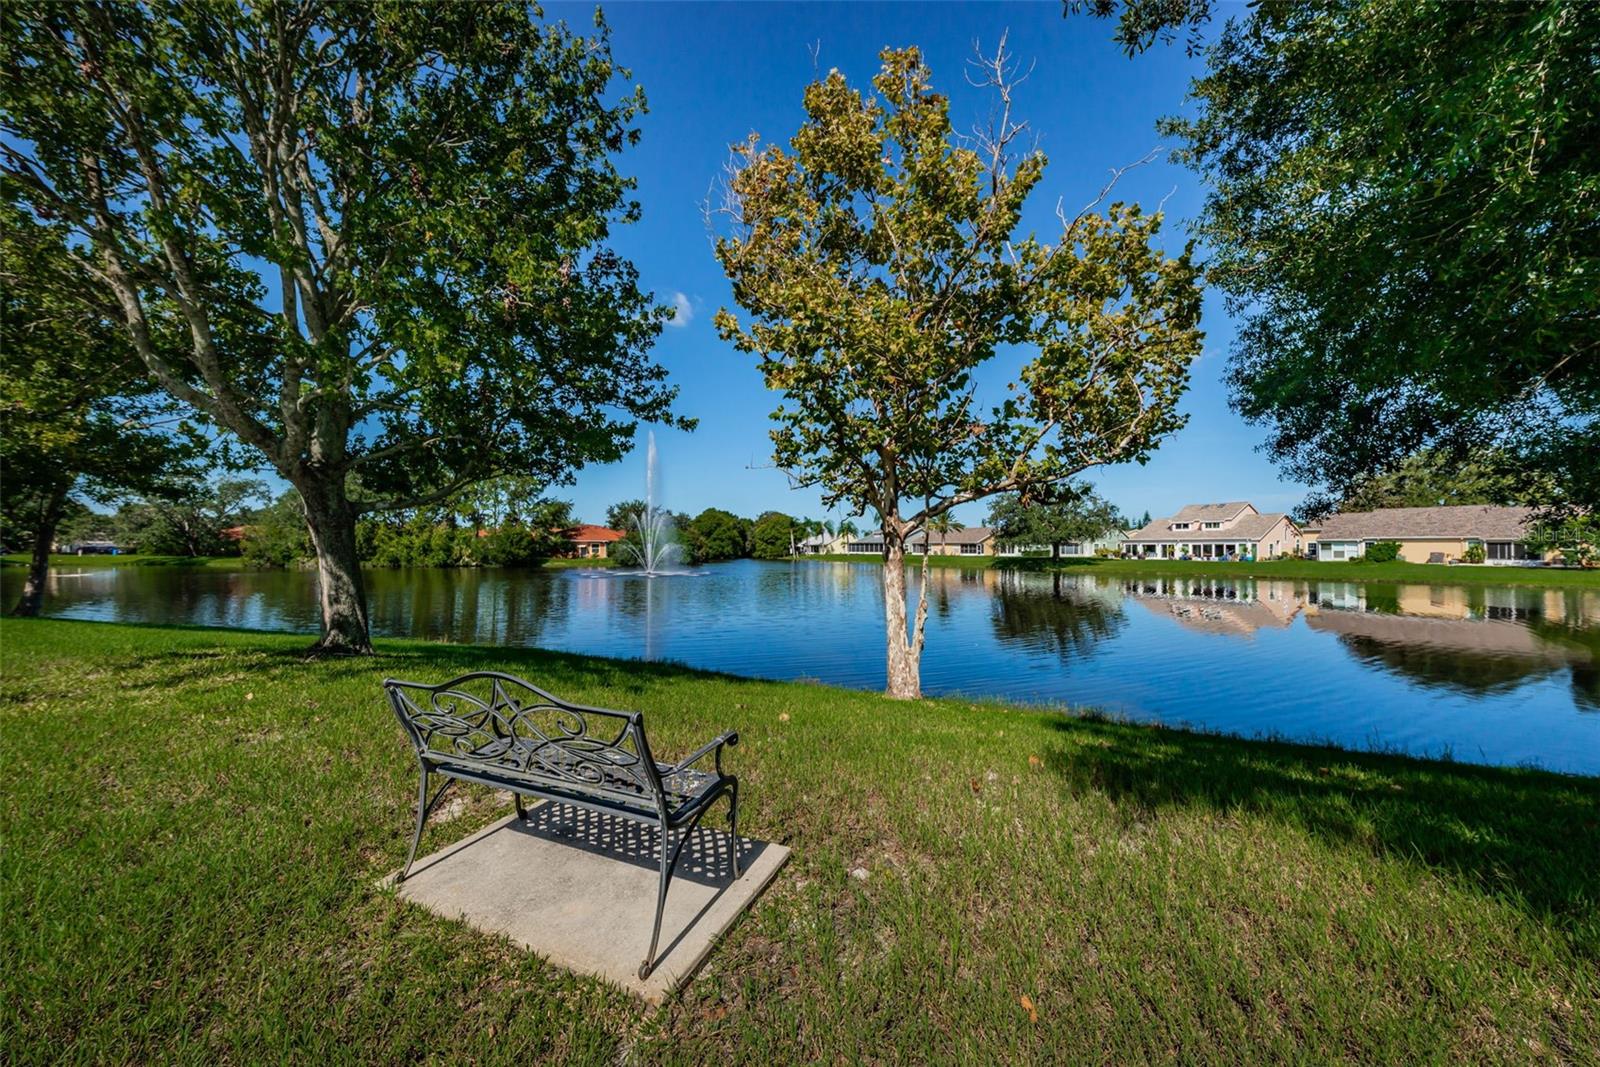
point(658, 551)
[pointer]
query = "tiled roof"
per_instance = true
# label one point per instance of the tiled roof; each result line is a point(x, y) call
point(1482, 521)
point(586, 532)
point(972, 535)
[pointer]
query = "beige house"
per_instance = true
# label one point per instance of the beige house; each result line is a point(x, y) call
point(1433, 535)
point(1234, 530)
point(972, 541)
point(823, 544)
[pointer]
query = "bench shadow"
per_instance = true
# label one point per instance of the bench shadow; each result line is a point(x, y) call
point(1526, 837)
point(707, 857)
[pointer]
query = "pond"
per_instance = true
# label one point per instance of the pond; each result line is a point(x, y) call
point(1480, 673)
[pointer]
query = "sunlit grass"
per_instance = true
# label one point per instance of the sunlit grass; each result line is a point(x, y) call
point(1308, 569)
point(194, 822)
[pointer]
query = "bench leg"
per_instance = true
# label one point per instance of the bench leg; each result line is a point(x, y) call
point(733, 825)
point(522, 812)
point(424, 807)
point(667, 862)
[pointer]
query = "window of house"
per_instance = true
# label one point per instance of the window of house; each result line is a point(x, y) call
point(1213, 525)
point(1180, 526)
point(1508, 550)
point(971, 550)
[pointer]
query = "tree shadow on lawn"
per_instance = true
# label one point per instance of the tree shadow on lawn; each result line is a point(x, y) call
point(1527, 837)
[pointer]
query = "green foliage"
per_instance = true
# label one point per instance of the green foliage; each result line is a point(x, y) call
point(716, 534)
point(191, 521)
point(276, 535)
point(773, 536)
point(1075, 513)
point(625, 515)
point(430, 189)
point(1473, 554)
point(1141, 23)
point(1435, 477)
point(1382, 552)
point(881, 266)
point(1404, 210)
point(78, 411)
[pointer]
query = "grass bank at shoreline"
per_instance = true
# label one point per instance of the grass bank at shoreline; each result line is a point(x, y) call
point(67, 564)
point(194, 821)
point(1294, 569)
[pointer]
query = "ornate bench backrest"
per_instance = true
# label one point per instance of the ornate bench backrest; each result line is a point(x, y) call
point(496, 723)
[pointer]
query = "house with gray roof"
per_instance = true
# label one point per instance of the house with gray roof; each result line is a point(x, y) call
point(1232, 530)
point(1436, 535)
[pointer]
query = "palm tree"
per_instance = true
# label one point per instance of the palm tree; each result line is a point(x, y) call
point(943, 525)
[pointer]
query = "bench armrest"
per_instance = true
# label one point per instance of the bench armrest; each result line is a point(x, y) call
point(729, 738)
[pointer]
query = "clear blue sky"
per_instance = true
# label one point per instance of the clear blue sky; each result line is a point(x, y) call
point(715, 72)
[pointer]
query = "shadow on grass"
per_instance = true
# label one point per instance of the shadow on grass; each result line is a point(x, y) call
point(285, 653)
point(1528, 837)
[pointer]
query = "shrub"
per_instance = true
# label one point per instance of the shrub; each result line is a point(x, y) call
point(1473, 554)
point(1383, 551)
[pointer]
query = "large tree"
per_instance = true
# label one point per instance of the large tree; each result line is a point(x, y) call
point(1074, 513)
point(77, 418)
point(1405, 211)
point(882, 263)
point(383, 227)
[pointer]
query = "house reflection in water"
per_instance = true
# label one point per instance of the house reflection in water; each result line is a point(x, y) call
point(1209, 605)
point(1473, 639)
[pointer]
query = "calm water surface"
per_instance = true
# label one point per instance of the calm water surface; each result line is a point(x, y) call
point(1493, 674)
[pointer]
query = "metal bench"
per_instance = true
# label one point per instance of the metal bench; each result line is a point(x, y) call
point(502, 732)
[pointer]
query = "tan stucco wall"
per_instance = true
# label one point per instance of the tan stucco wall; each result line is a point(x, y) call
point(1417, 551)
point(1284, 534)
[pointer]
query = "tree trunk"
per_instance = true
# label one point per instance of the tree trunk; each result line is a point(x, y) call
point(1055, 550)
point(905, 650)
point(331, 522)
point(44, 535)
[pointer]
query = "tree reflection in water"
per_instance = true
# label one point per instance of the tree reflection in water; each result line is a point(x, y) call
point(1055, 613)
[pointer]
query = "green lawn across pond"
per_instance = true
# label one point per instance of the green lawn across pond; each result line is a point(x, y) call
point(68, 564)
point(194, 822)
point(1308, 569)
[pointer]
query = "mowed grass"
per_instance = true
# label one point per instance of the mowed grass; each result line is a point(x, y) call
point(1327, 571)
point(195, 822)
point(68, 564)
point(1307, 569)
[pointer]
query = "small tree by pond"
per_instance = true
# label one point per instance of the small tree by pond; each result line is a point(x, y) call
point(880, 260)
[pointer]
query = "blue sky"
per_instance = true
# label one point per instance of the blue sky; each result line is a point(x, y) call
point(715, 72)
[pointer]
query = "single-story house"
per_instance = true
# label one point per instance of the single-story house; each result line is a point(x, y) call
point(972, 541)
point(1234, 530)
point(1109, 541)
point(592, 542)
point(1432, 534)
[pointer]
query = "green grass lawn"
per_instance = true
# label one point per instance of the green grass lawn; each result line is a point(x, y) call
point(1329, 571)
point(195, 820)
point(1277, 568)
point(71, 563)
